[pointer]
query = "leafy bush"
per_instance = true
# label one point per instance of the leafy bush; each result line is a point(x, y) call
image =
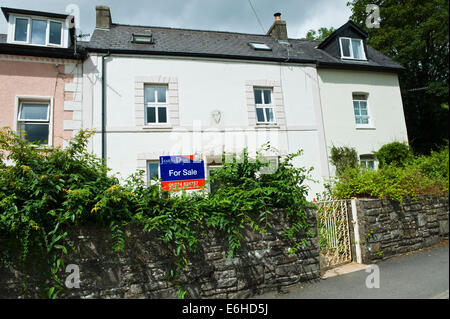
point(424, 175)
point(45, 191)
point(436, 165)
point(48, 191)
point(343, 158)
point(394, 153)
point(251, 195)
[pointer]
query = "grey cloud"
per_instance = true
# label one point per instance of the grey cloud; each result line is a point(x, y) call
point(223, 15)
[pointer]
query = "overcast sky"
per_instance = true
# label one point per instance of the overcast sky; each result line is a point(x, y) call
point(222, 15)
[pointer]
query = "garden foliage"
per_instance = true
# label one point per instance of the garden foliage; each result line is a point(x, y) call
point(46, 192)
point(343, 158)
point(399, 177)
point(394, 153)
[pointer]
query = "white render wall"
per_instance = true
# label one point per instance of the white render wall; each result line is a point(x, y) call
point(310, 98)
point(203, 86)
point(384, 103)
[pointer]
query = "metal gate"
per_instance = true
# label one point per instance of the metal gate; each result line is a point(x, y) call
point(333, 233)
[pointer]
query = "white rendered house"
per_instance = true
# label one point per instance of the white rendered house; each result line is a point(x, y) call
point(361, 101)
point(153, 91)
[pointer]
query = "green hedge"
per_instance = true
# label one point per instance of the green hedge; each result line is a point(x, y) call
point(422, 175)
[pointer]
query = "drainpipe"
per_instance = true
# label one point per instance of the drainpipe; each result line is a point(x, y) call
point(104, 107)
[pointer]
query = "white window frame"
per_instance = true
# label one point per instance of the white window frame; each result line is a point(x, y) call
point(30, 30)
point(370, 123)
point(156, 105)
point(47, 31)
point(265, 106)
point(36, 100)
point(365, 159)
point(351, 49)
point(152, 182)
point(13, 36)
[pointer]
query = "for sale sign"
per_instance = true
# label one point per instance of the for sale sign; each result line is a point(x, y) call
point(181, 172)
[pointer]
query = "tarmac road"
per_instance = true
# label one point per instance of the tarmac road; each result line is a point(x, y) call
point(421, 275)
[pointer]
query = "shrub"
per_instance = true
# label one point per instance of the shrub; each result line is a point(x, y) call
point(48, 191)
point(395, 153)
point(389, 182)
point(45, 191)
point(424, 175)
point(342, 158)
point(436, 165)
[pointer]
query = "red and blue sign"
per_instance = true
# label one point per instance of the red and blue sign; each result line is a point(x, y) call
point(180, 172)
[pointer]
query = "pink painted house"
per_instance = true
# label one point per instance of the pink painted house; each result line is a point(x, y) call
point(40, 76)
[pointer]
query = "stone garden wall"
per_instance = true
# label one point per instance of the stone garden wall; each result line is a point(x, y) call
point(388, 228)
point(140, 271)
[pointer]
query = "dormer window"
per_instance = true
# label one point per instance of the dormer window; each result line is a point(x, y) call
point(37, 31)
point(352, 49)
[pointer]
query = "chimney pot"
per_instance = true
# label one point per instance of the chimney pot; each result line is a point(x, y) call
point(278, 30)
point(103, 17)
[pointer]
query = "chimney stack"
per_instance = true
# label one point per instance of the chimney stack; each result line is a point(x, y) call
point(103, 17)
point(278, 30)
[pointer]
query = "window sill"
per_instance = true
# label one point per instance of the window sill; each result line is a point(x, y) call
point(157, 126)
point(368, 127)
point(42, 147)
point(49, 45)
point(261, 126)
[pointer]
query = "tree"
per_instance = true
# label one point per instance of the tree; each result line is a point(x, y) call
point(319, 35)
point(342, 158)
point(415, 33)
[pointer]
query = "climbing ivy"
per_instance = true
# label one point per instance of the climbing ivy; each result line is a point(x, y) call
point(46, 192)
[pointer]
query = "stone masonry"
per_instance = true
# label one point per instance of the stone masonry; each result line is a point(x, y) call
point(389, 228)
point(140, 271)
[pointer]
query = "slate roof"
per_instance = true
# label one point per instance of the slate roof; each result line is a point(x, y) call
point(218, 44)
point(7, 11)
